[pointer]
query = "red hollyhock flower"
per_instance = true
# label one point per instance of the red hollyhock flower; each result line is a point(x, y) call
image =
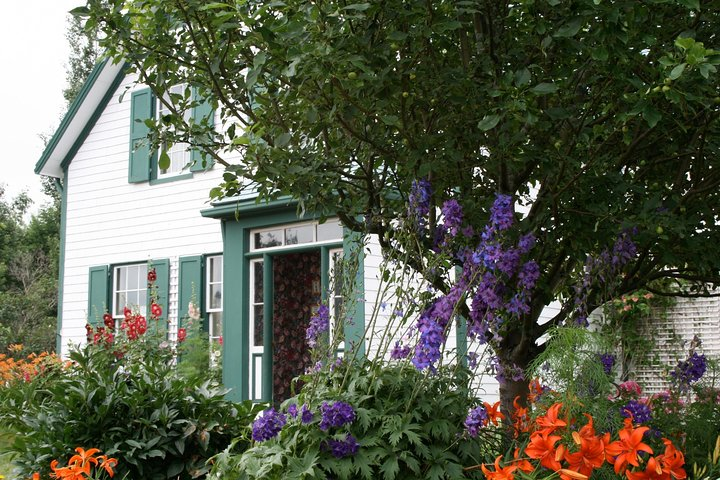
point(182, 335)
point(152, 276)
point(127, 312)
point(141, 325)
point(155, 310)
point(109, 321)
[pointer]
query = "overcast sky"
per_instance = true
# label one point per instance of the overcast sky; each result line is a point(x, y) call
point(33, 53)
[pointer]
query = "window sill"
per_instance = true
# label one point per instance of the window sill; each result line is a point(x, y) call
point(175, 178)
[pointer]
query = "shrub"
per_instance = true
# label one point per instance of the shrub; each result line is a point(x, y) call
point(126, 398)
point(366, 420)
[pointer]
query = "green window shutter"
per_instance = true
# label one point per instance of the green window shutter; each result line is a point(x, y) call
point(142, 107)
point(162, 271)
point(191, 284)
point(99, 281)
point(202, 113)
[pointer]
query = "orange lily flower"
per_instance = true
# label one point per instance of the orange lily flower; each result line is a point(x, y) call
point(522, 464)
point(590, 456)
point(653, 471)
point(542, 447)
point(500, 473)
point(550, 421)
point(535, 390)
point(673, 460)
point(625, 451)
point(493, 412)
point(520, 418)
point(107, 464)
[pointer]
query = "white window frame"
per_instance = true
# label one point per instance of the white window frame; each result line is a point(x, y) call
point(179, 153)
point(285, 227)
point(142, 287)
point(209, 261)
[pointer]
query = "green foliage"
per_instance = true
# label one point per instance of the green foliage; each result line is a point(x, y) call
point(194, 353)
point(408, 424)
point(131, 403)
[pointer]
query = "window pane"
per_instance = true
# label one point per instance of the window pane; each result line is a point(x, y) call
point(330, 230)
point(216, 324)
point(120, 303)
point(120, 278)
point(297, 235)
point(216, 296)
point(258, 284)
point(132, 278)
point(268, 239)
point(142, 301)
point(216, 269)
point(258, 326)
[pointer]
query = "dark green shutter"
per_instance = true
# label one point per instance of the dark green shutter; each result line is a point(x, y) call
point(162, 270)
point(98, 284)
point(142, 107)
point(201, 114)
point(191, 285)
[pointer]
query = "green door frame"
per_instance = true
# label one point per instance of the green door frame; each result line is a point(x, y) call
point(238, 219)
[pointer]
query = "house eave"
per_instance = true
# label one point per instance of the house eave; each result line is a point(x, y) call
point(80, 117)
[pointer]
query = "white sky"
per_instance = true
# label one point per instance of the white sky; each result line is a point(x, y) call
point(33, 53)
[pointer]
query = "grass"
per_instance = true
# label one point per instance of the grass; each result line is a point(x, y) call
point(6, 466)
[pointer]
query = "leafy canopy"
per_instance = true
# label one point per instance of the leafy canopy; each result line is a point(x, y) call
point(597, 116)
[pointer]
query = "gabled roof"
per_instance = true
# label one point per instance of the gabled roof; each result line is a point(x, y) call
point(80, 118)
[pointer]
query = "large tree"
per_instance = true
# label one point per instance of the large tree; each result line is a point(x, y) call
point(601, 116)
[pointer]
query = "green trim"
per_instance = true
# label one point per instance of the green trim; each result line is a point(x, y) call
point(93, 118)
point(140, 152)
point(306, 247)
point(72, 111)
point(461, 340)
point(268, 307)
point(353, 249)
point(158, 181)
point(162, 284)
point(324, 272)
point(236, 298)
point(252, 207)
point(98, 293)
point(61, 261)
point(190, 284)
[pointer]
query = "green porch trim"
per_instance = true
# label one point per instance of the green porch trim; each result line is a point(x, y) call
point(353, 250)
point(61, 258)
point(238, 219)
point(268, 312)
point(461, 339)
point(324, 272)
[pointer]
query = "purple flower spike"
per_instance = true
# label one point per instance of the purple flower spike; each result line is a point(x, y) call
point(336, 414)
point(475, 420)
point(268, 425)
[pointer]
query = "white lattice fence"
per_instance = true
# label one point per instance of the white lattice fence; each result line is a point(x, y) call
point(673, 333)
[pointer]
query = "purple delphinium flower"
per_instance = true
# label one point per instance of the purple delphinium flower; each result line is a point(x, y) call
point(306, 414)
point(293, 410)
point(336, 414)
point(419, 202)
point(526, 243)
point(472, 359)
point(501, 213)
point(639, 412)
point(343, 448)
point(607, 360)
point(268, 425)
point(452, 216)
point(476, 419)
point(319, 325)
point(690, 370)
point(400, 351)
point(529, 275)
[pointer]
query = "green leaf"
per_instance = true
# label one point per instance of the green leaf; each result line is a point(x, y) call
point(488, 122)
point(360, 7)
point(164, 161)
point(694, 4)
point(391, 120)
point(684, 42)
point(242, 140)
point(706, 69)
point(282, 140)
point(677, 71)
point(544, 88)
point(651, 115)
point(390, 468)
point(522, 77)
point(570, 29)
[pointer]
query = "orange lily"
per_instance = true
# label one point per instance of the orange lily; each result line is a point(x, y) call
point(520, 418)
point(522, 464)
point(542, 447)
point(673, 460)
point(550, 421)
point(590, 456)
point(625, 451)
point(493, 412)
point(653, 471)
point(500, 473)
point(535, 390)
